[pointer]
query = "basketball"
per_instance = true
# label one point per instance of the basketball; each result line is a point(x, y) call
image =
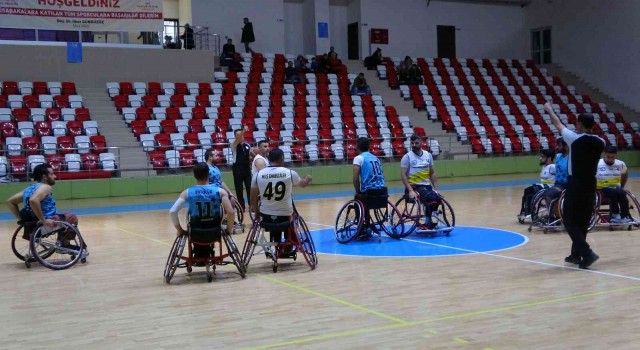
point(71, 218)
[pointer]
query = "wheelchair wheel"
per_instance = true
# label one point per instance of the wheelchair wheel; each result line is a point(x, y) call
point(250, 244)
point(411, 212)
point(232, 249)
point(175, 255)
point(349, 221)
point(306, 242)
point(58, 249)
point(634, 209)
point(594, 212)
point(392, 221)
point(238, 215)
point(541, 211)
point(21, 247)
point(446, 216)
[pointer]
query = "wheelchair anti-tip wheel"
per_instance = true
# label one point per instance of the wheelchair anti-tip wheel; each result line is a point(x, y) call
point(60, 248)
point(349, 221)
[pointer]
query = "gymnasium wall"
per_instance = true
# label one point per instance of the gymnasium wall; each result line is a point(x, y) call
point(597, 40)
point(338, 174)
point(483, 30)
point(224, 17)
point(101, 64)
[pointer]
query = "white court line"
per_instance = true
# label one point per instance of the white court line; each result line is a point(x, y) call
point(514, 258)
point(528, 261)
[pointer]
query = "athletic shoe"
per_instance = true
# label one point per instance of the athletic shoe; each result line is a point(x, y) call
point(590, 259)
point(626, 220)
point(615, 219)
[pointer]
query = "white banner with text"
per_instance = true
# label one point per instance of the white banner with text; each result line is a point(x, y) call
point(85, 15)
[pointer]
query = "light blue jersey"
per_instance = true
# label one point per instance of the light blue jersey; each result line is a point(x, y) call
point(562, 170)
point(204, 205)
point(215, 176)
point(371, 176)
point(48, 204)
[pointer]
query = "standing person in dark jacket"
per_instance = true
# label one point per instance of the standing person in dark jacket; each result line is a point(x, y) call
point(189, 43)
point(247, 35)
point(241, 167)
point(577, 209)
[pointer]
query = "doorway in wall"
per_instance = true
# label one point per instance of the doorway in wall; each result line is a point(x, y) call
point(541, 45)
point(171, 28)
point(446, 41)
point(353, 41)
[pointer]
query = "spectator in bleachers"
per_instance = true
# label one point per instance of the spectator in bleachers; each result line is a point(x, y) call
point(189, 43)
point(247, 35)
point(301, 64)
point(228, 53)
point(360, 86)
point(168, 42)
point(415, 75)
point(403, 70)
point(332, 53)
point(291, 74)
point(374, 60)
point(323, 65)
point(313, 66)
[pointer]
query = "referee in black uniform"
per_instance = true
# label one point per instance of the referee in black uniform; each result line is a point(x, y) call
point(241, 167)
point(584, 153)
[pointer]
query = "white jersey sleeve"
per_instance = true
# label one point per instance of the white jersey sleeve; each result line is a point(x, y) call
point(358, 160)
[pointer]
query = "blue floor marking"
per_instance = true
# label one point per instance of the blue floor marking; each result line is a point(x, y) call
point(118, 209)
point(462, 240)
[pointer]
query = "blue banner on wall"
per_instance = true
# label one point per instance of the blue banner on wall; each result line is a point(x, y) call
point(323, 30)
point(74, 52)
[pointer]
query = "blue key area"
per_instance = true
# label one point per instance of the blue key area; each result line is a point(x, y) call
point(462, 240)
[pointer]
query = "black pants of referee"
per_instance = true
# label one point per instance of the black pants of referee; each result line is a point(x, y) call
point(242, 177)
point(577, 212)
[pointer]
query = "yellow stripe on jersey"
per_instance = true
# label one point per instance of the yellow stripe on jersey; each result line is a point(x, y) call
point(420, 176)
point(547, 182)
point(613, 182)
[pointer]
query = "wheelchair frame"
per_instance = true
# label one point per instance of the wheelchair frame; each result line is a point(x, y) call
point(413, 210)
point(46, 247)
point(345, 231)
point(603, 214)
point(177, 260)
point(303, 243)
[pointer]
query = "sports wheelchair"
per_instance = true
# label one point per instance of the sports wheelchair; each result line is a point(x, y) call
point(57, 249)
point(209, 238)
point(547, 214)
point(296, 238)
point(414, 213)
point(603, 214)
point(366, 215)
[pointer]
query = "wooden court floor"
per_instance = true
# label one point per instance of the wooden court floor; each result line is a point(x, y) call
point(522, 298)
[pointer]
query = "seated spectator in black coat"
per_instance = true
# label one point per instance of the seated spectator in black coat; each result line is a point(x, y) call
point(301, 64)
point(228, 53)
point(291, 74)
point(360, 86)
point(168, 43)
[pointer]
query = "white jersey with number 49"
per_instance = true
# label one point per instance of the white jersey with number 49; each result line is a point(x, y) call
point(275, 185)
